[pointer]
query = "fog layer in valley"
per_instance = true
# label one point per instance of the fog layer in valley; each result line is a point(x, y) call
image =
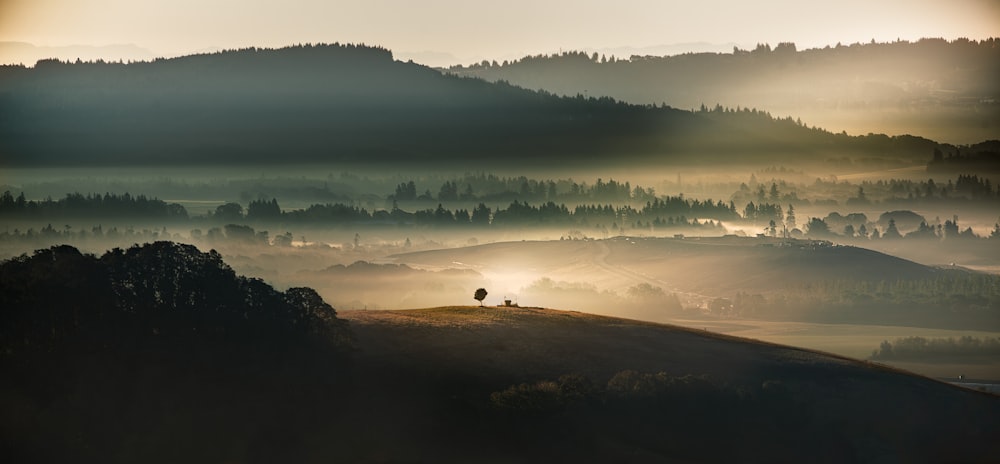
point(766, 245)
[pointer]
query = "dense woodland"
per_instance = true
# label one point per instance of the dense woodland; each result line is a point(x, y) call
point(689, 80)
point(936, 88)
point(61, 300)
point(347, 103)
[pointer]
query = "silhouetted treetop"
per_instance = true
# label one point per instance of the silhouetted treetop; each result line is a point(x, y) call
point(58, 298)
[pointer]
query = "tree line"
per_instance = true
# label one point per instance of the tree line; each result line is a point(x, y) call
point(490, 188)
point(109, 205)
point(927, 349)
point(668, 212)
point(953, 299)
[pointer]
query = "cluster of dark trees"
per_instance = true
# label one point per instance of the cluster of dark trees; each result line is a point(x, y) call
point(971, 189)
point(103, 358)
point(966, 186)
point(59, 299)
point(855, 226)
point(966, 348)
point(67, 233)
point(982, 157)
point(658, 212)
point(75, 205)
point(490, 188)
point(668, 212)
point(768, 212)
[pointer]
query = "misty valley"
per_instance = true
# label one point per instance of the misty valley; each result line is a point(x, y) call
point(274, 254)
point(792, 251)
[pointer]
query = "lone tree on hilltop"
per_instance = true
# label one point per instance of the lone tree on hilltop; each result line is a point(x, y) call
point(480, 295)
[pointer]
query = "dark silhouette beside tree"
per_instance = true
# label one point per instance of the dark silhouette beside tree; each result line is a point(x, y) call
point(480, 295)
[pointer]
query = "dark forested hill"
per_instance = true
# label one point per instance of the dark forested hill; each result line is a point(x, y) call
point(934, 88)
point(332, 103)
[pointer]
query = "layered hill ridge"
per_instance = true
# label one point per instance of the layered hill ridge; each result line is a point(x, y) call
point(785, 279)
point(936, 88)
point(344, 103)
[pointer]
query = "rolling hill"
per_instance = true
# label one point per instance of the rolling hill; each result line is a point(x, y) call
point(161, 353)
point(572, 386)
point(935, 88)
point(753, 277)
point(348, 103)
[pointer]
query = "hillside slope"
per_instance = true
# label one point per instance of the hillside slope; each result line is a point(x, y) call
point(750, 277)
point(347, 103)
point(932, 87)
point(160, 353)
point(769, 403)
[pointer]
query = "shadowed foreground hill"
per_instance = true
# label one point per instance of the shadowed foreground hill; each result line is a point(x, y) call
point(160, 353)
point(570, 386)
point(155, 353)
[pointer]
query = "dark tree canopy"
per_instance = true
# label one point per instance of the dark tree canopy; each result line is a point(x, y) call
point(480, 295)
point(59, 298)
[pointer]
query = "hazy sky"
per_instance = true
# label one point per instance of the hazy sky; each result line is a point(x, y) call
point(470, 29)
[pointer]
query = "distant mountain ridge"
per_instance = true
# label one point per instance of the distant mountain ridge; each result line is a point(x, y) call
point(912, 87)
point(354, 103)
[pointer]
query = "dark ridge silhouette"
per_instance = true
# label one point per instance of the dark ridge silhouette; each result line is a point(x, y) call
point(347, 103)
point(780, 76)
point(923, 84)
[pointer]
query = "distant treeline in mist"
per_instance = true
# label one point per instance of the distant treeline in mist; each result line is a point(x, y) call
point(662, 213)
point(490, 187)
point(77, 205)
point(658, 213)
point(982, 158)
point(969, 349)
point(914, 83)
point(972, 300)
point(757, 201)
point(780, 75)
point(353, 103)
